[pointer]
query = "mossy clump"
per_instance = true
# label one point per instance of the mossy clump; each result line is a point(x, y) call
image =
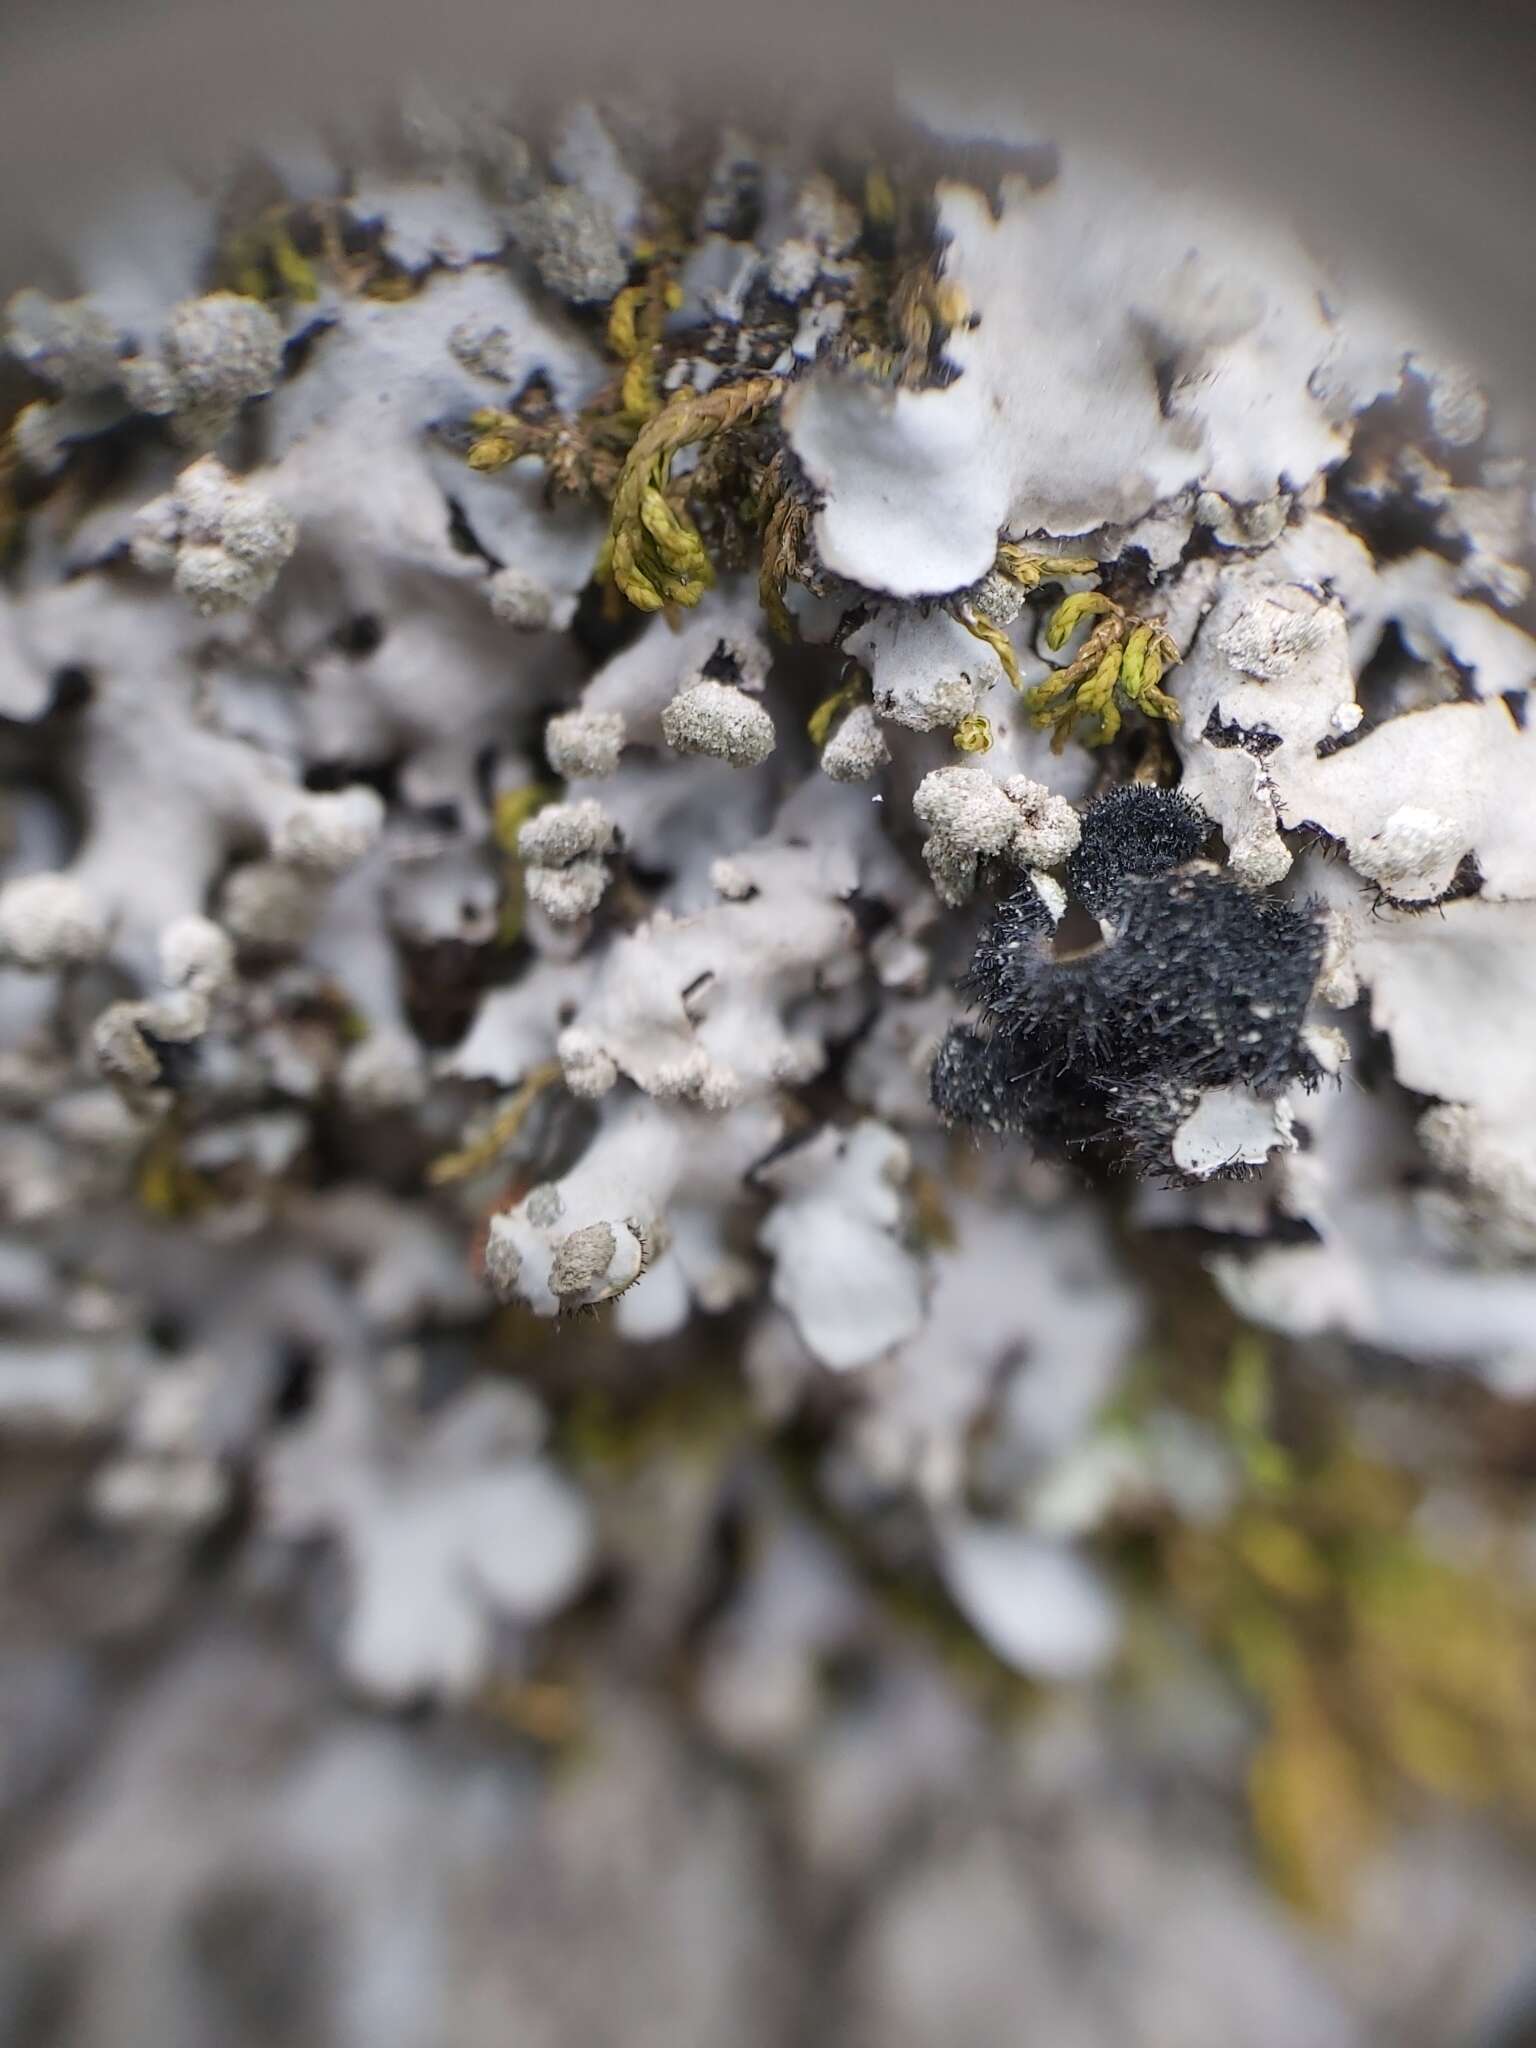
point(713, 385)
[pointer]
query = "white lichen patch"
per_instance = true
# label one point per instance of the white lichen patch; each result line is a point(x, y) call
point(469, 1526)
point(1230, 1128)
point(423, 976)
point(917, 485)
point(1044, 1610)
point(839, 1267)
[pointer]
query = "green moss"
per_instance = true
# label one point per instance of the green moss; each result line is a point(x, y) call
point(668, 538)
point(854, 689)
point(973, 735)
point(699, 1415)
point(513, 809)
point(262, 260)
point(1383, 1671)
point(1121, 662)
point(167, 1187)
point(654, 552)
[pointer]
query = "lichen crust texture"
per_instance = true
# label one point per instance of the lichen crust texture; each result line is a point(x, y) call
point(767, 958)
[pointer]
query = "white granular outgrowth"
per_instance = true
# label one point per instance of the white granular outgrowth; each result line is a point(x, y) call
point(719, 720)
